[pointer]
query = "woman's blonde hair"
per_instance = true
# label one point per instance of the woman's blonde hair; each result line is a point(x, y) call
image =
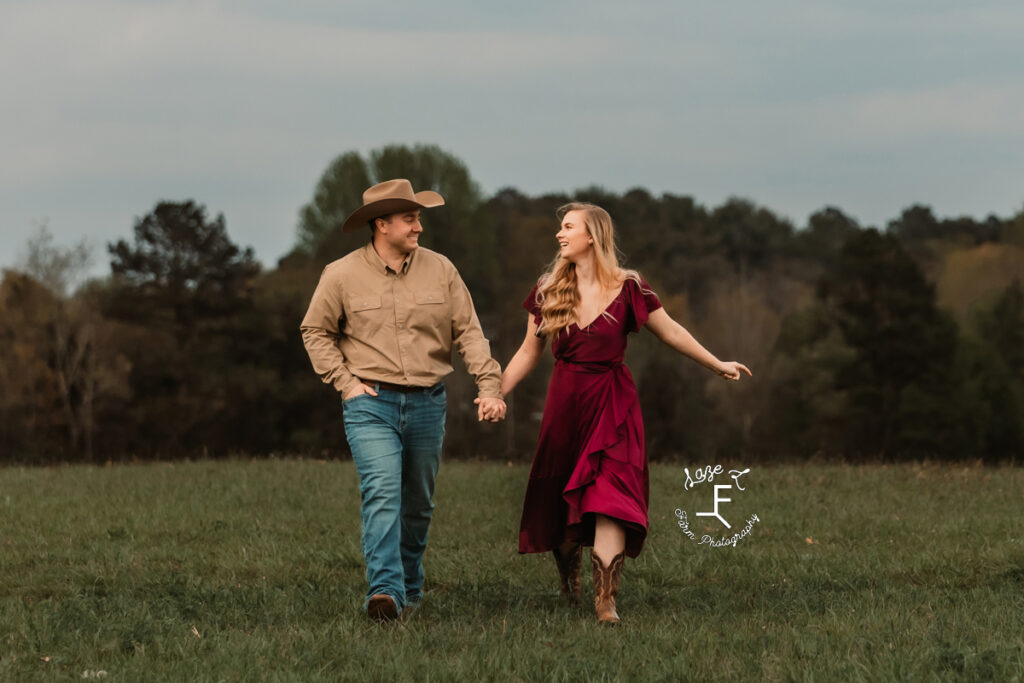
point(557, 293)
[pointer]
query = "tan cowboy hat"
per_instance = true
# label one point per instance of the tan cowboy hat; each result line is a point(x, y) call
point(388, 197)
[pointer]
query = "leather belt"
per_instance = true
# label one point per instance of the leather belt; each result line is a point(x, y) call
point(400, 388)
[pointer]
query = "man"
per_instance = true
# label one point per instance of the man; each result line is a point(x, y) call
point(380, 329)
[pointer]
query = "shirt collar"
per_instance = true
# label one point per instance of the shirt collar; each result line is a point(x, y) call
point(371, 256)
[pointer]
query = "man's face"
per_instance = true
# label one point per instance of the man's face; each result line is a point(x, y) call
point(402, 230)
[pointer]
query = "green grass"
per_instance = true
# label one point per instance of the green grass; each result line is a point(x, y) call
point(252, 571)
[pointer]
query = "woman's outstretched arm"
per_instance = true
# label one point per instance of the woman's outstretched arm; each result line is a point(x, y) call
point(675, 335)
point(524, 360)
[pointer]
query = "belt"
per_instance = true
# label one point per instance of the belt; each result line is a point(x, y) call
point(400, 388)
point(590, 367)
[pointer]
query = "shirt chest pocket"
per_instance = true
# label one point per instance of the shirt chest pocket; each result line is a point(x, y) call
point(428, 297)
point(358, 303)
point(365, 314)
point(430, 308)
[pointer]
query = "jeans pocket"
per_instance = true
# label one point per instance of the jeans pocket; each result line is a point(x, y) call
point(438, 396)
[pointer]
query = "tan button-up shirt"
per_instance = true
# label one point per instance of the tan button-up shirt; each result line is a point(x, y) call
point(368, 322)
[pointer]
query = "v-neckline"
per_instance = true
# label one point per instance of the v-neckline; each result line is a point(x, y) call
point(603, 311)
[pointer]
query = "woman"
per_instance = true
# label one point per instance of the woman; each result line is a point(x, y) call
point(589, 481)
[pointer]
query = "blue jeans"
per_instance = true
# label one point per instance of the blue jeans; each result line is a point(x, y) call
point(396, 440)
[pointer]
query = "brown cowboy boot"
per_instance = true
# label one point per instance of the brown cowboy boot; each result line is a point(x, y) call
point(606, 587)
point(382, 607)
point(569, 570)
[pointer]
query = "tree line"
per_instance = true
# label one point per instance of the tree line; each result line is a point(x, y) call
point(899, 343)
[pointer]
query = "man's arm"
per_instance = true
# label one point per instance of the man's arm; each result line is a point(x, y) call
point(320, 334)
point(469, 339)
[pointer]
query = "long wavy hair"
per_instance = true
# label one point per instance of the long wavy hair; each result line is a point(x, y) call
point(557, 293)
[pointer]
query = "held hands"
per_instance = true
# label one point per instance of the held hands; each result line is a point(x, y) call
point(490, 409)
point(731, 370)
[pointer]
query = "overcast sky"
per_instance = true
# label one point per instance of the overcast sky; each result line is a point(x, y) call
point(868, 105)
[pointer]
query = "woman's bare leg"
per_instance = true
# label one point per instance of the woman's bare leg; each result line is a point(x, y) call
point(609, 538)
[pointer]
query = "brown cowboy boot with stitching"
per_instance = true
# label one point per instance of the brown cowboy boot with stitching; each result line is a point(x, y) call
point(382, 607)
point(569, 570)
point(606, 587)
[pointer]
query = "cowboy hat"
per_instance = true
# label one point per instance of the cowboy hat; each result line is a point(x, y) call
point(389, 197)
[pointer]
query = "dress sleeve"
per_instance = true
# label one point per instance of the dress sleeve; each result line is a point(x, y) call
point(530, 304)
point(642, 302)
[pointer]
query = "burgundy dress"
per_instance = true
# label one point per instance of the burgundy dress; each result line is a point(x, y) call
point(590, 455)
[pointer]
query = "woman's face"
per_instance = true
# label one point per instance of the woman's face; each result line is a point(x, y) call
point(573, 239)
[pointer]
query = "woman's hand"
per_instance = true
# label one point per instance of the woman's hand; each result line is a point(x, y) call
point(490, 409)
point(732, 369)
point(675, 335)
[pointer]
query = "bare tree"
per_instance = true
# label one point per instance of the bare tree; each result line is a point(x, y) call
point(60, 269)
point(82, 367)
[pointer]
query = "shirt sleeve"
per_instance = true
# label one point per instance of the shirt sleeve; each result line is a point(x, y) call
point(642, 302)
point(321, 331)
point(469, 339)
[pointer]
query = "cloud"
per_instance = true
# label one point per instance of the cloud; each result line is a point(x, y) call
point(110, 40)
point(112, 87)
point(956, 109)
point(241, 104)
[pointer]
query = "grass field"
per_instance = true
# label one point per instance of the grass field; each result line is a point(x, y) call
point(252, 571)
